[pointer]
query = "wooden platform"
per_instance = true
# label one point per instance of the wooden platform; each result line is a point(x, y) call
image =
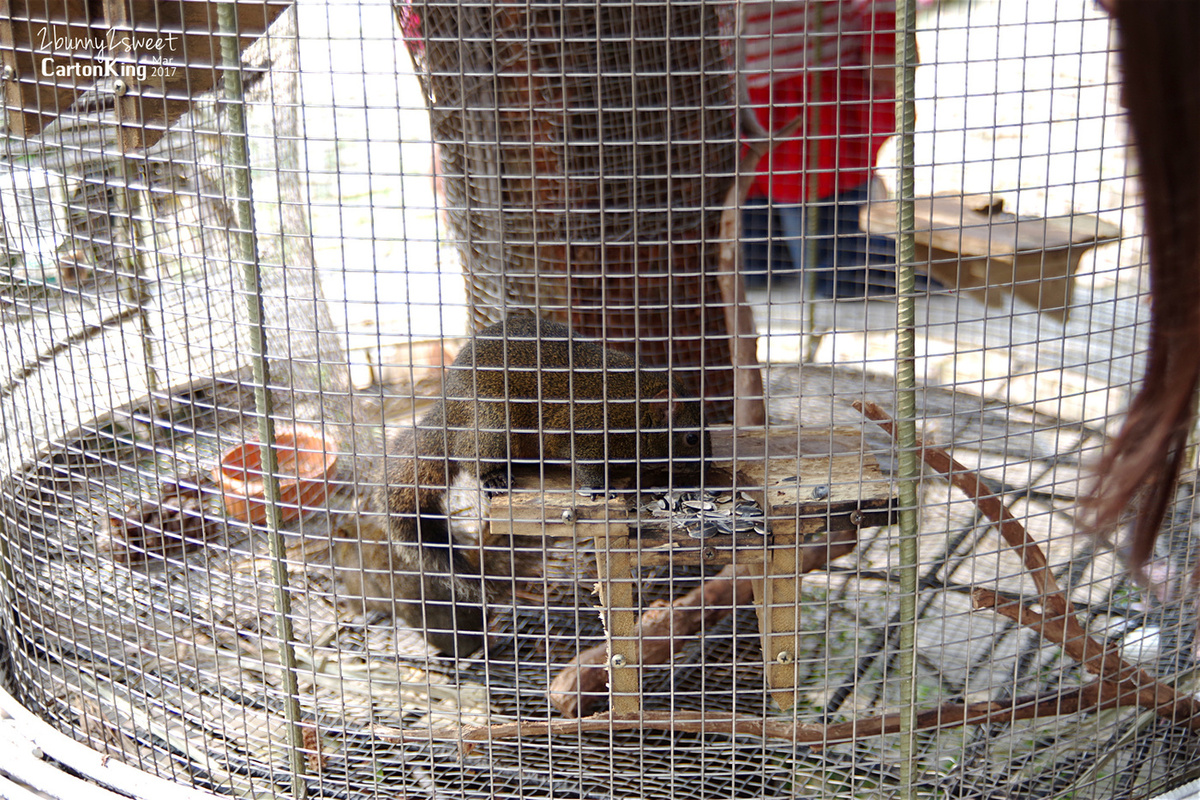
point(807, 481)
point(970, 243)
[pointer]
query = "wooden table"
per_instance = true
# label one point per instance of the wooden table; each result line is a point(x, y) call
point(811, 481)
point(970, 243)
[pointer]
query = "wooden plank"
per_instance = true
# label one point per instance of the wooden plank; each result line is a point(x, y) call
point(971, 244)
point(556, 509)
point(1043, 280)
point(620, 621)
point(165, 54)
point(807, 495)
point(976, 225)
point(547, 504)
point(32, 31)
point(181, 55)
point(777, 602)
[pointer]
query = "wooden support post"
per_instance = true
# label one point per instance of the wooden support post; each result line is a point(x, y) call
point(620, 619)
point(777, 601)
point(556, 509)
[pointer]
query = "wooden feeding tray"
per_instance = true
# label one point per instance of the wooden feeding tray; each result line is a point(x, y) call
point(970, 243)
point(806, 482)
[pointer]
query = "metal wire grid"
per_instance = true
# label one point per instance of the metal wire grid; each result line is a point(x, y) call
point(590, 204)
point(176, 665)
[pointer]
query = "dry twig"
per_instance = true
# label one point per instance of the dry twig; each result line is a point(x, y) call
point(1095, 696)
point(661, 632)
point(1058, 622)
point(748, 408)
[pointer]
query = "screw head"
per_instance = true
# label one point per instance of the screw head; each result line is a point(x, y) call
point(568, 514)
point(120, 87)
point(8, 73)
point(618, 660)
point(785, 657)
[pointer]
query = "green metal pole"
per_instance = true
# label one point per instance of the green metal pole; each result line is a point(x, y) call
point(238, 155)
point(908, 462)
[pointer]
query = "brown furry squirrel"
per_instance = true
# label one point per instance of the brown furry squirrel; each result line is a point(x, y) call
point(522, 391)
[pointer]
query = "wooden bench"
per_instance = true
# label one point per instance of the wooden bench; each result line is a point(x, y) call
point(970, 243)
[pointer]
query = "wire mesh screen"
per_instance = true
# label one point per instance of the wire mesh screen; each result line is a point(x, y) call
point(598, 202)
point(501, 399)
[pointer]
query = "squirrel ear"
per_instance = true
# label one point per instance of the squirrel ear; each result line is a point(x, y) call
point(662, 407)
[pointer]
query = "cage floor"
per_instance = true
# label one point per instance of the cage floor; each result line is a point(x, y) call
point(174, 665)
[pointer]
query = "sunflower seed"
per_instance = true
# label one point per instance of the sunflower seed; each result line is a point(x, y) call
point(725, 526)
point(704, 529)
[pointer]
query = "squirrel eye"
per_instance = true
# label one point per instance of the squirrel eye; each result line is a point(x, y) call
point(692, 438)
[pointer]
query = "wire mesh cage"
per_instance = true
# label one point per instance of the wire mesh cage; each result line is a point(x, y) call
point(589, 205)
point(593, 398)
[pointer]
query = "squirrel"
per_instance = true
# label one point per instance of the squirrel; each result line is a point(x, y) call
point(521, 391)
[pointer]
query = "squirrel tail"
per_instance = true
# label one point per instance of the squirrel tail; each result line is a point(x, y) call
point(439, 591)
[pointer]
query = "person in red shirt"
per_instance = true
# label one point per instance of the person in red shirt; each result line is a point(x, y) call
point(835, 61)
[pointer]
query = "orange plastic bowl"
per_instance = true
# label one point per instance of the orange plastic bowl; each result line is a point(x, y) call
point(304, 468)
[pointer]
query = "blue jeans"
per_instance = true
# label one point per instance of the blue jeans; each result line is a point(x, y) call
point(848, 262)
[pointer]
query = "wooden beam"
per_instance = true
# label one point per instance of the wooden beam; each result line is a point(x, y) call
point(178, 49)
point(39, 36)
point(158, 57)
